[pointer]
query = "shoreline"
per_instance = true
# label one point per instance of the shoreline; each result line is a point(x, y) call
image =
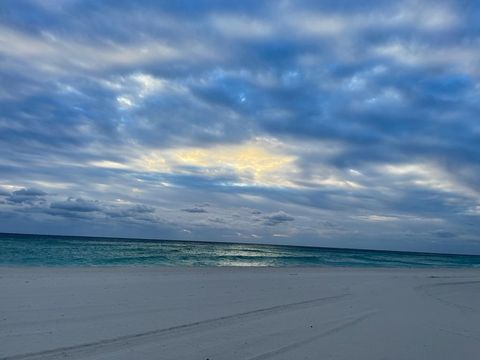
point(239, 268)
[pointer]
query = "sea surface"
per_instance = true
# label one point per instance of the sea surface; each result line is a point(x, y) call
point(45, 250)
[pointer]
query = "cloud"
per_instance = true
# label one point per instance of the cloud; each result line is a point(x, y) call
point(253, 163)
point(277, 218)
point(26, 196)
point(57, 55)
point(76, 205)
point(242, 27)
point(195, 210)
point(136, 211)
point(29, 192)
point(349, 112)
point(444, 234)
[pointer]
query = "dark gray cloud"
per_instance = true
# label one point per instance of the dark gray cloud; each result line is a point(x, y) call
point(444, 234)
point(28, 196)
point(107, 107)
point(277, 218)
point(29, 192)
point(139, 212)
point(195, 210)
point(76, 205)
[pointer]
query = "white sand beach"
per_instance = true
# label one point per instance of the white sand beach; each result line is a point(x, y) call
point(239, 313)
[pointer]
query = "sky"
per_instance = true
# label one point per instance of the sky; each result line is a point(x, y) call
point(325, 123)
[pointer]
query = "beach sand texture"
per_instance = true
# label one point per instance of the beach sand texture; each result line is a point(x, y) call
point(239, 313)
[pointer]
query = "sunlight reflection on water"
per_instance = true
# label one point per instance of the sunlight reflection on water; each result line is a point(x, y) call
point(33, 250)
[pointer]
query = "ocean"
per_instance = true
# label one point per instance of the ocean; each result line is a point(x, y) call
point(46, 250)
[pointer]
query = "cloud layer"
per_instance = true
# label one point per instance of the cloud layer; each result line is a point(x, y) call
point(332, 123)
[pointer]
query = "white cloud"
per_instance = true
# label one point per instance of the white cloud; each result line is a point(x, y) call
point(241, 26)
point(428, 176)
point(317, 24)
point(61, 55)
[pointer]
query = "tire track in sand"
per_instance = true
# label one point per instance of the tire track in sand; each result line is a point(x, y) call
point(145, 337)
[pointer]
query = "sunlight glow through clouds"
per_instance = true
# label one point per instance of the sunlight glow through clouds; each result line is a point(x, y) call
point(263, 162)
point(253, 163)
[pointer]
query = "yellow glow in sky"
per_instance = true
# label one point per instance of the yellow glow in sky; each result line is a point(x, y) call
point(260, 162)
point(253, 163)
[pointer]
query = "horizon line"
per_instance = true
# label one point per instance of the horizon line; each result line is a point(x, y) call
point(110, 238)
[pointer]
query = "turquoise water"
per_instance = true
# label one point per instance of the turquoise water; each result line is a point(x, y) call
point(35, 250)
